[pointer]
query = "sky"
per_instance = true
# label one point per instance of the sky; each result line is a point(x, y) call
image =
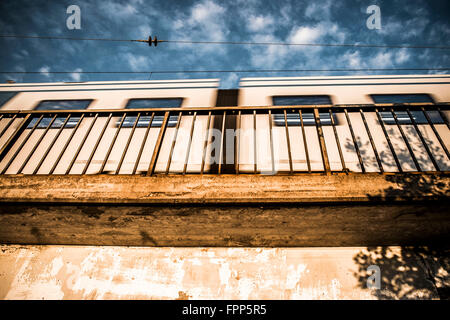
point(299, 21)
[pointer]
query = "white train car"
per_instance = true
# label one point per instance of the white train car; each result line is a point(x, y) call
point(95, 145)
point(106, 95)
point(342, 91)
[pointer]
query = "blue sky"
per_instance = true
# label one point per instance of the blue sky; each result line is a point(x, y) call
point(320, 21)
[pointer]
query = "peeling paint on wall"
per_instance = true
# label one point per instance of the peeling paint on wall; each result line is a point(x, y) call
point(72, 272)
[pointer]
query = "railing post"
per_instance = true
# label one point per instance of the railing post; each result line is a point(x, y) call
point(174, 141)
point(205, 143)
point(355, 143)
point(151, 167)
point(305, 143)
point(323, 148)
point(288, 141)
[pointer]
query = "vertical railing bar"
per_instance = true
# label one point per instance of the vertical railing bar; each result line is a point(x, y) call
point(237, 144)
point(157, 149)
point(386, 135)
point(82, 144)
point(416, 163)
point(443, 116)
point(433, 160)
point(374, 148)
point(308, 162)
point(174, 141)
point(66, 144)
point(189, 143)
point(323, 148)
point(125, 150)
point(113, 142)
point(255, 165)
point(288, 141)
point(12, 140)
point(436, 133)
point(222, 137)
point(96, 144)
point(51, 145)
point(341, 156)
point(205, 143)
point(36, 145)
point(8, 124)
point(355, 143)
point(141, 149)
point(272, 153)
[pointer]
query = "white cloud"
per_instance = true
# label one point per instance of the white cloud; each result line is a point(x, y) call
point(45, 71)
point(402, 56)
point(260, 23)
point(352, 60)
point(231, 81)
point(118, 10)
point(136, 62)
point(311, 34)
point(381, 60)
point(75, 76)
point(306, 34)
point(206, 21)
point(267, 56)
point(319, 10)
point(404, 29)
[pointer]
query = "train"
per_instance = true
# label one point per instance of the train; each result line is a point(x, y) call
point(282, 140)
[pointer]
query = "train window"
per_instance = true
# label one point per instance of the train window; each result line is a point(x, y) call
point(150, 104)
point(63, 104)
point(300, 100)
point(419, 117)
point(293, 119)
point(5, 96)
point(59, 105)
point(402, 116)
point(401, 98)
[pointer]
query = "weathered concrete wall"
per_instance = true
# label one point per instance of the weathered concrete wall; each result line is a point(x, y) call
point(267, 211)
point(226, 226)
point(272, 211)
point(71, 272)
point(301, 188)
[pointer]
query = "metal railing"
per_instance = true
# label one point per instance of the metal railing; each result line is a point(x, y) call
point(55, 139)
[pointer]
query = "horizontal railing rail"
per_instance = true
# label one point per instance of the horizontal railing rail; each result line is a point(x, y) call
point(251, 108)
point(410, 137)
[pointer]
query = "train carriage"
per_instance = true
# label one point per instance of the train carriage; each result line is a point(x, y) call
point(268, 125)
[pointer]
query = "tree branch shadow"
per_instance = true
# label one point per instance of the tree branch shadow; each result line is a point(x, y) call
point(408, 272)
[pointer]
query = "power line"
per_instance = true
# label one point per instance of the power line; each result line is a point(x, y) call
point(357, 45)
point(226, 71)
point(353, 45)
point(66, 38)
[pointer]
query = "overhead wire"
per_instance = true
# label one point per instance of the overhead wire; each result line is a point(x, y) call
point(354, 45)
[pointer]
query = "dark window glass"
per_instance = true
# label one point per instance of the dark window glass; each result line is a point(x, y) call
point(154, 103)
point(148, 104)
point(59, 105)
point(293, 119)
point(5, 96)
point(300, 100)
point(401, 98)
point(402, 116)
point(419, 117)
point(63, 105)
